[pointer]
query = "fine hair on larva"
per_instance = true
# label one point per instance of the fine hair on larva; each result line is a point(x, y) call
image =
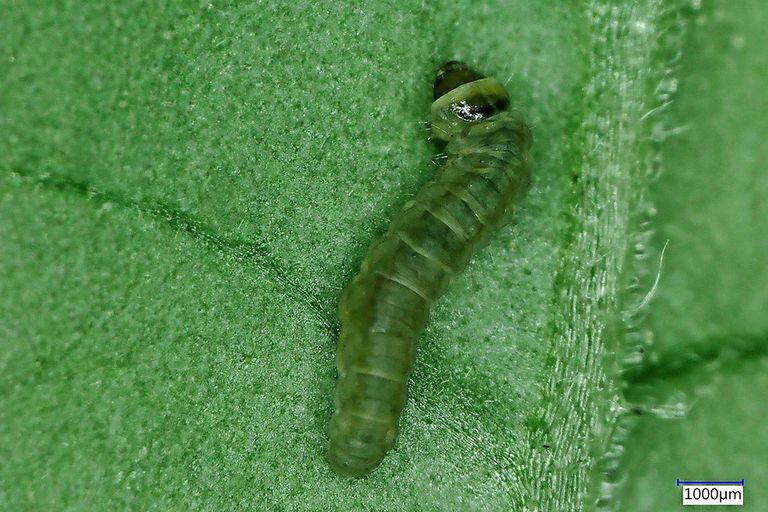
point(384, 309)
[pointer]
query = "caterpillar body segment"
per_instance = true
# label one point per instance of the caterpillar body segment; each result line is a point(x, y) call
point(385, 308)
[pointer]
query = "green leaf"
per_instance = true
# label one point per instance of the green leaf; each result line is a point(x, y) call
point(707, 321)
point(187, 187)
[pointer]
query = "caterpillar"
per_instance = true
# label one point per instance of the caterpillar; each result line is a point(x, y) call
point(384, 309)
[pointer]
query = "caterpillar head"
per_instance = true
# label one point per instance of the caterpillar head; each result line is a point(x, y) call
point(464, 96)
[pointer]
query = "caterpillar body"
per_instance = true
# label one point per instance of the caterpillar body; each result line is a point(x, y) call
point(384, 309)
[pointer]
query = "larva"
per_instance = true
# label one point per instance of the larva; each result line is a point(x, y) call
point(384, 309)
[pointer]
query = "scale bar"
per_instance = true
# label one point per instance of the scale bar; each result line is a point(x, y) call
point(710, 482)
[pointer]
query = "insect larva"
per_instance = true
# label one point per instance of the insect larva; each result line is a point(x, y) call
point(385, 308)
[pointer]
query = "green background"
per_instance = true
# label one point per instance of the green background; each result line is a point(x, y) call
point(707, 326)
point(186, 187)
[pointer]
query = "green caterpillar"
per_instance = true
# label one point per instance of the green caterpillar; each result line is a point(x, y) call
point(385, 308)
